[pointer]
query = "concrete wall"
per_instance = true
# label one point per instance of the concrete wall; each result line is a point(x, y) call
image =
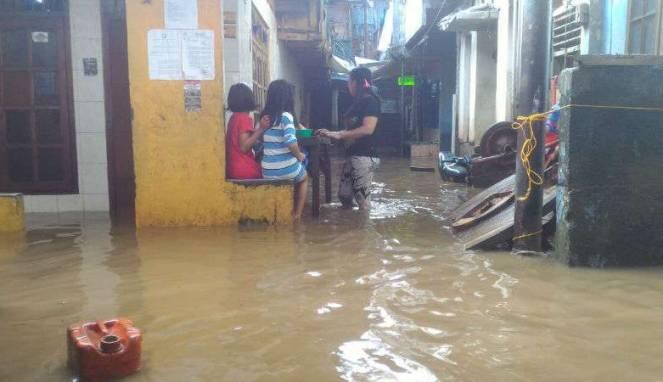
point(180, 157)
point(88, 116)
point(610, 195)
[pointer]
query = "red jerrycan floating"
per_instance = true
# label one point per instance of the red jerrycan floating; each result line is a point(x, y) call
point(104, 349)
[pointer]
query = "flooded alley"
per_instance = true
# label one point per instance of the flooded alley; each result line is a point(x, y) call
point(385, 297)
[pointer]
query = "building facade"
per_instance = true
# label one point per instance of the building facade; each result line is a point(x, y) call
point(118, 105)
point(53, 130)
point(488, 39)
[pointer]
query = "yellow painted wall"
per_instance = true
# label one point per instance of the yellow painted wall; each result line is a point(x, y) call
point(180, 157)
point(12, 215)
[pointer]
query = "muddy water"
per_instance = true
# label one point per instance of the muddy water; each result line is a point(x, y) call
point(385, 297)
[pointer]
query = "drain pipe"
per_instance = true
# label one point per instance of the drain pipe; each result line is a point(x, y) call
point(533, 36)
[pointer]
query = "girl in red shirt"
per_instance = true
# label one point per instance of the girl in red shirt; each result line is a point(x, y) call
point(241, 136)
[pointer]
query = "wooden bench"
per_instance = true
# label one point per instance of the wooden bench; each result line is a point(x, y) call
point(319, 164)
point(260, 182)
point(12, 213)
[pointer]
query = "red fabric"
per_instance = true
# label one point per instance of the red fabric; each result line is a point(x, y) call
point(240, 165)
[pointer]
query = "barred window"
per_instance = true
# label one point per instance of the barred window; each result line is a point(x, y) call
point(644, 27)
point(260, 50)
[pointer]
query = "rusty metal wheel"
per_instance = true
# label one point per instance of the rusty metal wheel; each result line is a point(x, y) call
point(500, 138)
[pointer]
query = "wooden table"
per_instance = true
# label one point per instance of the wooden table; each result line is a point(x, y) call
point(319, 162)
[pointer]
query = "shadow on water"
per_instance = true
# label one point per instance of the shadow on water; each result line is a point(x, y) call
point(387, 295)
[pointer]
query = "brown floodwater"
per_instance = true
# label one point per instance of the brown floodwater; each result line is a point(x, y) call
point(389, 296)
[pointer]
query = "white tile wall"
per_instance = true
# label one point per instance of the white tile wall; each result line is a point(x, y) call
point(92, 202)
point(91, 148)
point(39, 203)
point(93, 179)
point(88, 88)
point(89, 117)
point(70, 203)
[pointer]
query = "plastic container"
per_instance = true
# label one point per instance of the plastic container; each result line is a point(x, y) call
point(304, 133)
point(102, 350)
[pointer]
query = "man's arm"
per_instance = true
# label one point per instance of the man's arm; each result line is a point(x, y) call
point(367, 128)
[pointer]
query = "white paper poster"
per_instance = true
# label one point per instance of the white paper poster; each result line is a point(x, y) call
point(164, 54)
point(198, 55)
point(181, 14)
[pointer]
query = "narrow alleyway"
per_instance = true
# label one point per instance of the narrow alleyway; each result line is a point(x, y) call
point(385, 297)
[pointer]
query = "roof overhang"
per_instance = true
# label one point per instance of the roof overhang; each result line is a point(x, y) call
point(477, 18)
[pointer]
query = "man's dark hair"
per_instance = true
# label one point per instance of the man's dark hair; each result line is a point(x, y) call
point(240, 99)
point(364, 80)
point(280, 99)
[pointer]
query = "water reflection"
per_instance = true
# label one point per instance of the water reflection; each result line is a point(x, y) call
point(388, 296)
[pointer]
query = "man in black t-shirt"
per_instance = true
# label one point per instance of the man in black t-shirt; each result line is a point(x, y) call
point(360, 122)
point(367, 106)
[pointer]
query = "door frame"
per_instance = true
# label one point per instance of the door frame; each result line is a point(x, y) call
point(122, 210)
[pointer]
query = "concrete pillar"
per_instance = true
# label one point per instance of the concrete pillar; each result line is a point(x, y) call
point(463, 92)
point(482, 83)
point(610, 198)
point(505, 60)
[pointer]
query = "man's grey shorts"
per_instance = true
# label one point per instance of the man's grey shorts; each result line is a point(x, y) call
point(357, 180)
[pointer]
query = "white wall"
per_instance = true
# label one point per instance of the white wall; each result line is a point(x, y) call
point(505, 60)
point(482, 84)
point(238, 64)
point(463, 92)
point(486, 76)
point(414, 17)
point(89, 118)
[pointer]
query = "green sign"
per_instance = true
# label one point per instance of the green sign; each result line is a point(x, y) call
point(407, 81)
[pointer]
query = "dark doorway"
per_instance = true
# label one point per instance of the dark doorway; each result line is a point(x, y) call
point(122, 186)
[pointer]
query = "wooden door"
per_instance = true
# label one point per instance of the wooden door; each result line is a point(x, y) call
point(37, 149)
point(122, 185)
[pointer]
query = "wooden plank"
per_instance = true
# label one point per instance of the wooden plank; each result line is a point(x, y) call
point(505, 185)
point(493, 204)
point(499, 228)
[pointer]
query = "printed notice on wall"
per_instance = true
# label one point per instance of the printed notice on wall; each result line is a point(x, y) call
point(192, 97)
point(164, 54)
point(198, 55)
point(181, 14)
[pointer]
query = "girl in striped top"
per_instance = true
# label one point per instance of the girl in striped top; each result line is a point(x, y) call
point(282, 157)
